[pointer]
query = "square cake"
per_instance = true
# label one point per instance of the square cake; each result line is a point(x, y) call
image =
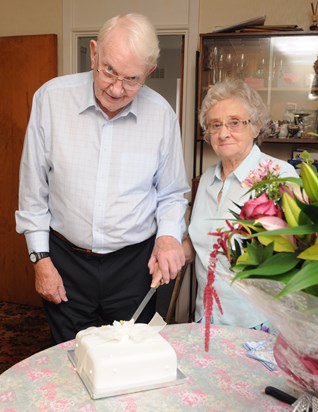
point(116, 358)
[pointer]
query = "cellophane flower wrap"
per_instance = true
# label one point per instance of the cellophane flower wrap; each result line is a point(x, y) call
point(272, 249)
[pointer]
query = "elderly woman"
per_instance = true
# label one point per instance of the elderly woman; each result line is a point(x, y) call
point(232, 117)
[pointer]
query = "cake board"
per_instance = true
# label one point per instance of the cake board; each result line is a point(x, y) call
point(181, 378)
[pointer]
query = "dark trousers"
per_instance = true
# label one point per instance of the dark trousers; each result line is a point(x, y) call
point(100, 289)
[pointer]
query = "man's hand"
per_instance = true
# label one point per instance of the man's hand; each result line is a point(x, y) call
point(157, 279)
point(169, 255)
point(48, 282)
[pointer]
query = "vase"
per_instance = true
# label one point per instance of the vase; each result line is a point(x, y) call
point(298, 365)
point(295, 317)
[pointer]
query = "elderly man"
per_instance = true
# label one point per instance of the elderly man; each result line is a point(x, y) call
point(102, 184)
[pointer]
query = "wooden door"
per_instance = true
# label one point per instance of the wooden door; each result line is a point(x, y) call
point(26, 63)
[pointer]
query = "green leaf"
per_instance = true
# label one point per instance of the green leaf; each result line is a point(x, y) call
point(245, 260)
point(250, 257)
point(306, 156)
point(268, 251)
point(282, 180)
point(281, 244)
point(309, 254)
point(254, 250)
point(275, 265)
point(309, 177)
point(306, 277)
point(310, 210)
point(235, 214)
point(236, 250)
point(300, 230)
point(291, 210)
point(241, 221)
point(284, 277)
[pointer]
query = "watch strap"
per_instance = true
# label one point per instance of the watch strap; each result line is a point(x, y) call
point(36, 256)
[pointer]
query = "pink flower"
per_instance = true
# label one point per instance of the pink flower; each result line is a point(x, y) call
point(271, 222)
point(266, 170)
point(260, 207)
point(269, 168)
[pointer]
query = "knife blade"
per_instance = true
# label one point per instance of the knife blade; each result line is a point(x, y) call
point(143, 303)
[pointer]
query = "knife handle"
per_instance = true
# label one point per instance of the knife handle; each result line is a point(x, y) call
point(280, 395)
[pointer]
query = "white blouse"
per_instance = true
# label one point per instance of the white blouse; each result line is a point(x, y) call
point(208, 214)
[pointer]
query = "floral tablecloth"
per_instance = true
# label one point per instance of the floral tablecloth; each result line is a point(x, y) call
point(224, 379)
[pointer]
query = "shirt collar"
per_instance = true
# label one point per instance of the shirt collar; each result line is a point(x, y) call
point(241, 171)
point(88, 99)
point(248, 163)
point(216, 173)
point(132, 107)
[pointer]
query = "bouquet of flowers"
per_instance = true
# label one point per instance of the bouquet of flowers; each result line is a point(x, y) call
point(272, 249)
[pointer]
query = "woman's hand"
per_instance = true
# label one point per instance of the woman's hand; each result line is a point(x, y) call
point(188, 249)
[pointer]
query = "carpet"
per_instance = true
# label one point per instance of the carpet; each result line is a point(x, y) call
point(23, 332)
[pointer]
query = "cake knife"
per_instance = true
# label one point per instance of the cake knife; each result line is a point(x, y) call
point(144, 302)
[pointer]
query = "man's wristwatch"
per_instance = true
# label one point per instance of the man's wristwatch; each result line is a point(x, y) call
point(35, 257)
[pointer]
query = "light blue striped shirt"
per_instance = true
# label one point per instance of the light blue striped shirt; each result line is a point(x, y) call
point(103, 184)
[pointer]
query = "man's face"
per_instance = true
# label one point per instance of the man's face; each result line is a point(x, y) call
point(112, 58)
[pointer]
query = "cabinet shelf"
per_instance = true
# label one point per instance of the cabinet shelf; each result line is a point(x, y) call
point(276, 140)
point(274, 89)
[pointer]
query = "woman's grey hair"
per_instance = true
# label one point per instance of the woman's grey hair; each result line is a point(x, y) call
point(142, 37)
point(257, 110)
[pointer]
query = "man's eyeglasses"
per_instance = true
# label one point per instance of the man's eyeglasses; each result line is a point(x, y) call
point(128, 83)
point(233, 125)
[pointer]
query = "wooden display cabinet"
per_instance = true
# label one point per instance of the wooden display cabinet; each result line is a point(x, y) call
point(280, 66)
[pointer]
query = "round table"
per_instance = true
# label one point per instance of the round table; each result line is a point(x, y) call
point(223, 379)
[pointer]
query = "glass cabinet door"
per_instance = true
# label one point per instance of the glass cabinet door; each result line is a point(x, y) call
point(292, 80)
point(280, 67)
point(245, 59)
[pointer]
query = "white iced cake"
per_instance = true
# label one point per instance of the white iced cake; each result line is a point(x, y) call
point(121, 356)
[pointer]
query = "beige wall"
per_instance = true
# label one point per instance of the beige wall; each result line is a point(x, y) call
point(22, 17)
point(19, 17)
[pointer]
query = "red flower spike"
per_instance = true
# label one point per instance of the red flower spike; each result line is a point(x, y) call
point(231, 227)
point(210, 293)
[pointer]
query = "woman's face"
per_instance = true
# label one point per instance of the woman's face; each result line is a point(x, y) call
point(232, 143)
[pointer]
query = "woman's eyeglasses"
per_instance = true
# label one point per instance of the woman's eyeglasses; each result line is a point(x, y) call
point(233, 125)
